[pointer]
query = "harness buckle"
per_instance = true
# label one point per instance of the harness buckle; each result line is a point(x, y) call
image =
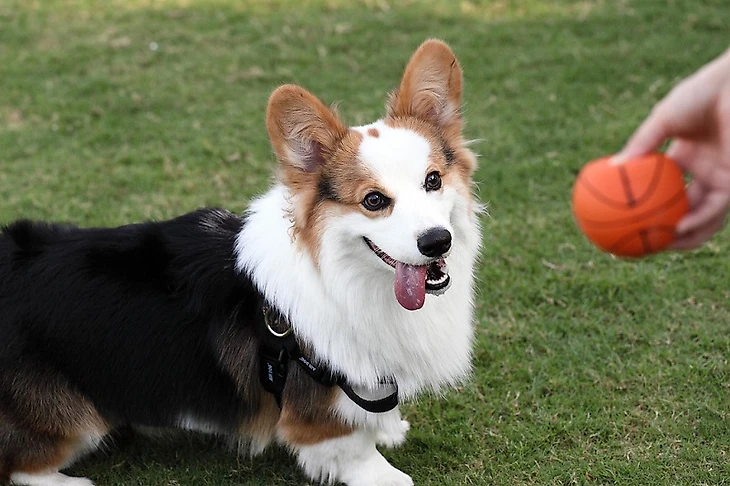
point(278, 346)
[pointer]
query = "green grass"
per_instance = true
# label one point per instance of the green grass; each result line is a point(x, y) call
point(588, 370)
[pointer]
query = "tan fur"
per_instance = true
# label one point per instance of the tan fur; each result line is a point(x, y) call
point(460, 171)
point(46, 423)
point(297, 431)
point(306, 412)
point(310, 141)
point(238, 355)
point(430, 89)
point(45, 454)
point(428, 101)
point(307, 415)
point(302, 130)
point(304, 133)
point(373, 132)
point(262, 425)
point(347, 178)
point(68, 414)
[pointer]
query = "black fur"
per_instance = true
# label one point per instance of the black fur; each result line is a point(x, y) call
point(130, 317)
point(325, 190)
point(449, 154)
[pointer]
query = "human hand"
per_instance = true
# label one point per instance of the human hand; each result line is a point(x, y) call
point(696, 115)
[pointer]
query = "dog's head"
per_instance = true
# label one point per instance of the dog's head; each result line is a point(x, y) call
point(387, 196)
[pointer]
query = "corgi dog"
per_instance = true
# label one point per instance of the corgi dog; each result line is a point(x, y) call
point(345, 288)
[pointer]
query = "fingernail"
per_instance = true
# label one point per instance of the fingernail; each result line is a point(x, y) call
point(617, 159)
point(681, 228)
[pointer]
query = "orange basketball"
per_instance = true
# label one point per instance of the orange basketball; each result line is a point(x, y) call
point(630, 209)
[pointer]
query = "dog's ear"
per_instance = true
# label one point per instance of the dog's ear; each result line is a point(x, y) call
point(303, 131)
point(430, 88)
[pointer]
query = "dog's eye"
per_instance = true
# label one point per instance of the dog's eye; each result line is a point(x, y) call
point(433, 181)
point(375, 201)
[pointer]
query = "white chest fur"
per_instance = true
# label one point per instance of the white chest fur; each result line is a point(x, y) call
point(346, 309)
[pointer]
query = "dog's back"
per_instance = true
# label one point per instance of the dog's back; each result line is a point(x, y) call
point(90, 315)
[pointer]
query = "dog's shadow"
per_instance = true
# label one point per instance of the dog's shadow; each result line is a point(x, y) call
point(181, 459)
point(133, 458)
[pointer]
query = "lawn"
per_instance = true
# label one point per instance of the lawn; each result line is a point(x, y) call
point(588, 369)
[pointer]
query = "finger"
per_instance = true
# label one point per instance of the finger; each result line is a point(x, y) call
point(702, 160)
point(696, 192)
point(683, 152)
point(647, 138)
point(695, 239)
point(714, 205)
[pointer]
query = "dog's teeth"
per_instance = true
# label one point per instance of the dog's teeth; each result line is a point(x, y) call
point(444, 281)
point(439, 280)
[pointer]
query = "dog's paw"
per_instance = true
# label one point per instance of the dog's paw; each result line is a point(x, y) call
point(78, 482)
point(395, 437)
point(51, 479)
point(376, 471)
point(383, 477)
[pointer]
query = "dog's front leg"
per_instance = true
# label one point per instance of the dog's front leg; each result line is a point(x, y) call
point(335, 440)
point(394, 435)
point(351, 459)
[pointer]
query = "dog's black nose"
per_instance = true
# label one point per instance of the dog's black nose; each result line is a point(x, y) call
point(434, 242)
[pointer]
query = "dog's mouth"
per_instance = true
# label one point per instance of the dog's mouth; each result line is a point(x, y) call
point(412, 282)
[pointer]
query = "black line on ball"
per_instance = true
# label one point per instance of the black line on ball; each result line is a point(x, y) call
point(650, 189)
point(654, 183)
point(630, 199)
point(617, 245)
point(637, 218)
point(598, 195)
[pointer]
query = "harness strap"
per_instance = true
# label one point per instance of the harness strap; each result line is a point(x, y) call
point(278, 346)
point(379, 405)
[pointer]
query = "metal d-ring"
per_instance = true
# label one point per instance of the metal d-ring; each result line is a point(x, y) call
point(267, 321)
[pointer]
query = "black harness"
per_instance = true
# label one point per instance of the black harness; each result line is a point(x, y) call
point(278, 347)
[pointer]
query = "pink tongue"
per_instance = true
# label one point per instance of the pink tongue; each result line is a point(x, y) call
point(410, 285)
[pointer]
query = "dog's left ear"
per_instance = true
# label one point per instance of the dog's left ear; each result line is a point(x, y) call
point(430, 88)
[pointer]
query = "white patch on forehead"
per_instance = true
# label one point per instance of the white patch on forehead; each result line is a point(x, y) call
point(396, 154)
